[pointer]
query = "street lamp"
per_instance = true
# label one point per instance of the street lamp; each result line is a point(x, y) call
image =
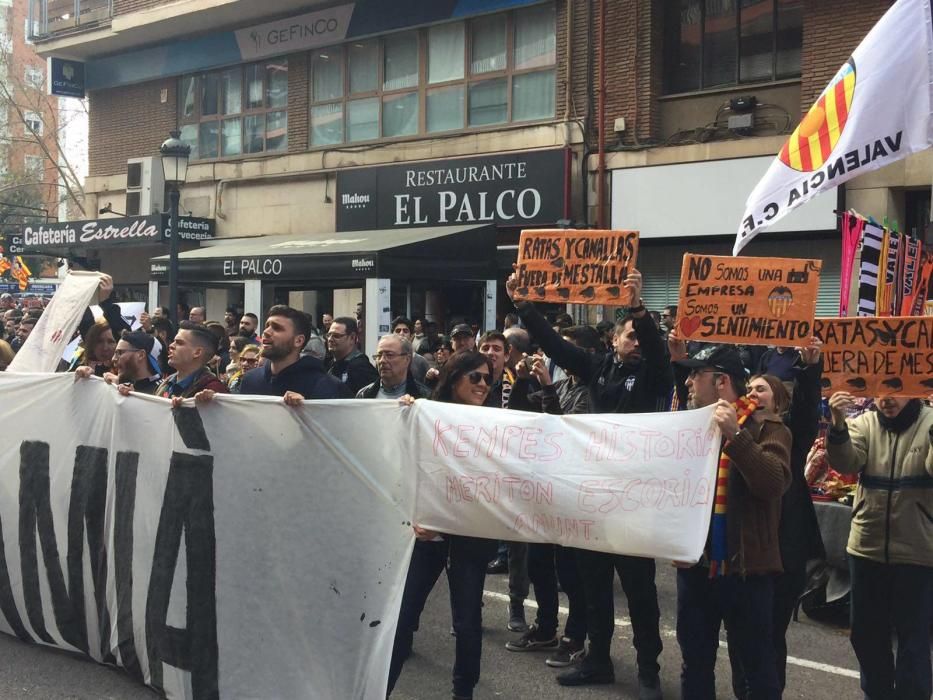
point(175, 154)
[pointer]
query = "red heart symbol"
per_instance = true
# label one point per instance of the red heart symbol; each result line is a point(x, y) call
point(688, 325)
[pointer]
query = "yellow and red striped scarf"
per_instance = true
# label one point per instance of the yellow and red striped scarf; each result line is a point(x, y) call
point(719, 538)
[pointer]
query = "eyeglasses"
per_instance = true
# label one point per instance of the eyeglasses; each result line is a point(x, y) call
point(249, 360)
point(388, 355)
point(476, 377)
point(336, 336)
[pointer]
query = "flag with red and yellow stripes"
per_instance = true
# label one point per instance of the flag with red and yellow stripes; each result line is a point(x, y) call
point(818, 133)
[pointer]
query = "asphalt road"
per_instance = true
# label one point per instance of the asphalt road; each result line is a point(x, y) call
point(823, 666)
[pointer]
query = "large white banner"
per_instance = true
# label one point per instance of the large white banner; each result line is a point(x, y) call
point(247, 549)
point(875, 111)
point(43, 349)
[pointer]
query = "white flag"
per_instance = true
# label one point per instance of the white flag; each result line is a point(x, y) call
point(875, 111)
point(44, 347)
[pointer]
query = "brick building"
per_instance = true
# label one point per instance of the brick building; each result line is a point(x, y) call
point(369, 130)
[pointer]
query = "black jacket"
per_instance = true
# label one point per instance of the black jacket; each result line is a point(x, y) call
point(643, 387)
point(307, 377)
point(563, 397)
point(800, 532)
point(355, 370)
point(412, 387)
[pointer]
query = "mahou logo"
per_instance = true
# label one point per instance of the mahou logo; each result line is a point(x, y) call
point(812, 142)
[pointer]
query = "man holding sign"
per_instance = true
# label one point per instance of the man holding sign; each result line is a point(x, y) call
point(634, 378)
point(891, 540)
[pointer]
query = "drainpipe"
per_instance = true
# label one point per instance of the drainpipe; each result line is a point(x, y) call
point(601, 119)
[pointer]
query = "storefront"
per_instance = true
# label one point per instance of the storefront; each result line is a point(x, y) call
point(696, 207)
point(381, 269)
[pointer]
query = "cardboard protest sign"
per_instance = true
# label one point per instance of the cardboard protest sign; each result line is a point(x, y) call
point(870, 356)
point(753, 301)
point(580, 267)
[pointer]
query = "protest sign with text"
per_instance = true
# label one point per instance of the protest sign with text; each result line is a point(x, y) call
point(869, 356)
point(581, 267)
point(753, 301)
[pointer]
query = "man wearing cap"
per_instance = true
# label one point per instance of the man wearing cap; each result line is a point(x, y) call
point(634, 378)
point(137, 368)
point(462, 338)
point(733, 584)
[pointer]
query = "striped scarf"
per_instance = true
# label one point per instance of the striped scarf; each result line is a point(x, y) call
point(719, 539)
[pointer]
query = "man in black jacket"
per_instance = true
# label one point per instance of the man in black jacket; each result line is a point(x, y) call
point(393, 362)
point(286, 373)
point(349, 364)
point(635, 378)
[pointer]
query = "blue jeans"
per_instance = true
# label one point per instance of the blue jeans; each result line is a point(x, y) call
point(744, 605)
point(890, 598)
point(465, 559)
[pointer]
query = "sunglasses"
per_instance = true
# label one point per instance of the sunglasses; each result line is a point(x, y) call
point(476, 377)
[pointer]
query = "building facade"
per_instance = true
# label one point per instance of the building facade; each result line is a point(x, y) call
point(322, 126)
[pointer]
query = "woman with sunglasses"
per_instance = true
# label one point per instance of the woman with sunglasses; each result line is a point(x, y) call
point(249, 359)
point(465, 379)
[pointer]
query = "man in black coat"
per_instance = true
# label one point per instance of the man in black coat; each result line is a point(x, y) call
point(348, 363)
point(635, 377)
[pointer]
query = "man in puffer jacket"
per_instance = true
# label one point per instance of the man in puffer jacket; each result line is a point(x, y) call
point(891, 540)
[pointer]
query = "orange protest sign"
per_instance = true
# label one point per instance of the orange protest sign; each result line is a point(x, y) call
point(581, 267)
point(870, 356)
point(754, 301)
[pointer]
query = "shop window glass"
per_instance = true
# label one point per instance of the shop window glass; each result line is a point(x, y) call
point(445, 53)
point(232, 137)
point(207, 139)
point(189, 136)
point(363, 119)
point(327, 124)
point(400, 114)
point(188, 90)
point(254, 86)
point(756, 40)
point(277, 83)
point(489, 102)
point(533, 96)
point(327, 74)
point(719, 43)
point(445, 108)
point(789, 38)
point(400, 61)
point(364, 66)
point(231, 82)
point(210, 94)
point(487, 48)
point(254, 126)
point(535, 40)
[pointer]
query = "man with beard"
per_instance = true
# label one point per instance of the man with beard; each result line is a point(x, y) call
point(248, 325)
point(891, 540)
point(232, 321)
point(635, 378)
point(137, 369)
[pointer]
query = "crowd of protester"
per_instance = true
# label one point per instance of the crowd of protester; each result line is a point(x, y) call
point(753, 570)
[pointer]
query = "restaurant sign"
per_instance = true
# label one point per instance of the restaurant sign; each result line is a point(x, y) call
point(101, 233)
point(516, 189)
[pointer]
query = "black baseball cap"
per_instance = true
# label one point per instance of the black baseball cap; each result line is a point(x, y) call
point(460, 329)
point(724, 358)
point(145, 342)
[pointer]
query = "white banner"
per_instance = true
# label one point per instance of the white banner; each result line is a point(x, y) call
point(44, 347)
point(637, 484)
point(875, 111)
point(249, 549)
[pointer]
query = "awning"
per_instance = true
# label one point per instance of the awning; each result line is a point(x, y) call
point(430, 253)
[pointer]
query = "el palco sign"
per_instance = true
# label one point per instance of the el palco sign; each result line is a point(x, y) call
point(519, 189)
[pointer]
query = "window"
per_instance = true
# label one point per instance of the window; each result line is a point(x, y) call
point(33, 123)
point(716, 43)
point(490, 70)
point(236, 111)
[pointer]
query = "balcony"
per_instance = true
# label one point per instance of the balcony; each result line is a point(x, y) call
point(49, 18)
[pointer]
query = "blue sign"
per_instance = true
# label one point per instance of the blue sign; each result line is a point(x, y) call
point(66, 78)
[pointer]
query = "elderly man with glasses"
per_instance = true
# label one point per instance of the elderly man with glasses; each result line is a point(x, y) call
point(393, 362)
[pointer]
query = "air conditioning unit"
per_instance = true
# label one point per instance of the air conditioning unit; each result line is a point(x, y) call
point(145, 186)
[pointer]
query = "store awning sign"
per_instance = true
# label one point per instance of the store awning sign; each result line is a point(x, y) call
point(517, 189)
point(101, 233)
point(576, 267)
point(753, 301)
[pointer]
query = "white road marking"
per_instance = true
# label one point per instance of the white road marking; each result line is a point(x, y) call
point(622, 622)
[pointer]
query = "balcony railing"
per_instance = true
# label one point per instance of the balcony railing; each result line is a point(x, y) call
point(51, 17)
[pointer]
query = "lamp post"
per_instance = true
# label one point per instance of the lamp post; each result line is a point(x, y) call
point(175, 168)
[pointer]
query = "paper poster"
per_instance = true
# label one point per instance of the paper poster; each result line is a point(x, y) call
point(746, 300)
point(581, 267)
point(870, 356)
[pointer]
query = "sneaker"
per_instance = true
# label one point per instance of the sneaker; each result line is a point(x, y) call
point(588, 674)
point(649, 687)
point(517, 618)
point(568, 653)
point(532, 640)
point(499, 565)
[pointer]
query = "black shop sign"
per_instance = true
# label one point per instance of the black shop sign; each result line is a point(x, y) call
point(516, 189)
point(104, 233)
